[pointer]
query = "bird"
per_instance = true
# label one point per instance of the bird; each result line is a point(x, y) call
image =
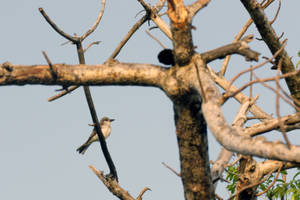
point(166, 57)
point(105, 129)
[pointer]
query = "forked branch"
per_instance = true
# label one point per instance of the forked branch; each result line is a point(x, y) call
point(80, 52)
point(230, 138)
point(95, 25)
point(112, 185)
point(272, 40)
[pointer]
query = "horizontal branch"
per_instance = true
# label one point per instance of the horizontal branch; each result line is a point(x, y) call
point(269, 125)
point(113, 74)
point(234, 48)
point(269, 165)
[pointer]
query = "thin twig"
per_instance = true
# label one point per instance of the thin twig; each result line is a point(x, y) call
point(170, 168)
point(157, 19)
point(74, 39)
point(236, 38)
point(53, 72)
point(277, 12)
point(128, 36)
point(142, 193)
point(98, 173)
point(63, 93)
point(195, 7)
point(95, 25)
point(281, 124)
point(231, 94)
point(235, 161)
point(91, 44)
point(157, 40)
point(56, 28)
point(87, 92)
point(251, 86)
point(223, 83)
point(252, 185)
point(139, 13)
point(297, 102)
point(114, 54)
point(150, 12)
point(273, 182)
point(121, 44)
point(274, 90)
point(146, 7)
point(241, 116)
point(257, 66)
point(112, 185)
point(239, 36)
point(93, 113)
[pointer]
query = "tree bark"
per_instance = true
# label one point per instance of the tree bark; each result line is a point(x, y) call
point(191, 133)
point(273, 42)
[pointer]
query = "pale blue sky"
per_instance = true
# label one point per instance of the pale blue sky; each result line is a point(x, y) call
point(38, 139)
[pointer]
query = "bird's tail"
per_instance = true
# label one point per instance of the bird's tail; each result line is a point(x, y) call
point(82, 149)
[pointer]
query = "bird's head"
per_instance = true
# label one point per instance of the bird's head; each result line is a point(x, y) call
point(105, 120)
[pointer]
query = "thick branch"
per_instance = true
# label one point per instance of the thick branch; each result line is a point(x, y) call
point(272, 124)
point(271, 165)
point(116, 74)
point(157, 7)
point(193, 148)
point(234, 48)
point(271, 39)
point(191, 132)
point(181, 32)
point(229, 137)
point(225, 155)
point(238, 37)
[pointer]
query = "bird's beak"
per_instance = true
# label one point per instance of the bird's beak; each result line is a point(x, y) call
point(112, 120)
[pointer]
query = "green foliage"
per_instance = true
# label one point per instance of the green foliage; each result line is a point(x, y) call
point(288, 190)
point(281, 190)
point(232, 176)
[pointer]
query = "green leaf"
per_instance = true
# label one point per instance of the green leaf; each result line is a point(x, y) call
point(297, 172)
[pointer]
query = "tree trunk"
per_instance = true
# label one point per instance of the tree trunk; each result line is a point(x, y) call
point(191, 133)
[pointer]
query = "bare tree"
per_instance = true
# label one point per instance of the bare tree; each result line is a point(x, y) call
point(192, 86)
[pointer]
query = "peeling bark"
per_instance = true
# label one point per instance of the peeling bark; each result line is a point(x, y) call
point(181, 32)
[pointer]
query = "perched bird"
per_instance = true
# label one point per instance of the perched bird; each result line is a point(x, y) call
point(105, 128)
point(166, 57)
